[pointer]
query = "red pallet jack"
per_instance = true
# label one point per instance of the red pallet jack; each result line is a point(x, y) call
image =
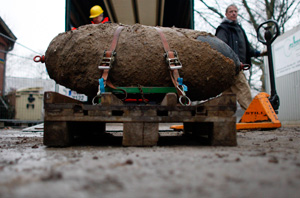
point(263, 110)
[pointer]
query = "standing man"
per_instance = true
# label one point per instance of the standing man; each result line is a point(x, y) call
point(96, 14)
point(234, 35)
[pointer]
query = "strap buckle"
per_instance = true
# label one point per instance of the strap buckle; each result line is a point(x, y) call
point(107, 60)
point(183, 99)
point(172, 60)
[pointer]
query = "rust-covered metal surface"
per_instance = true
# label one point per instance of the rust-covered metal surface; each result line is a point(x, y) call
point(72, 59)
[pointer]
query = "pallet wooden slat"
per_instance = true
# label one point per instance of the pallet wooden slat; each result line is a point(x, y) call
point(214, 117)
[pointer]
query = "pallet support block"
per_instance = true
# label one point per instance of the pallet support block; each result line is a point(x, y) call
point(218, 133)
point(169, 100)
point(57, 134)
point(223, 134)
point(140, 134)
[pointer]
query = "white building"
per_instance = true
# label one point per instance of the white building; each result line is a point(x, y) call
point(286, 60)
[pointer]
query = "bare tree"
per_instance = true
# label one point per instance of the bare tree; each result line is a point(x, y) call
point(251, 13)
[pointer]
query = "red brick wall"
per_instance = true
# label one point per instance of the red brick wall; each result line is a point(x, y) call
point(3, 47)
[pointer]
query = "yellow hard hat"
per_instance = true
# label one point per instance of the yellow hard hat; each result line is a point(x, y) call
point(95, 11)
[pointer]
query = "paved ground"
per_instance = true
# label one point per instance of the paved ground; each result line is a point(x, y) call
point(264, 164)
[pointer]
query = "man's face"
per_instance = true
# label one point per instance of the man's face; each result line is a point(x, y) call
point(98, 19)
point(232, 13)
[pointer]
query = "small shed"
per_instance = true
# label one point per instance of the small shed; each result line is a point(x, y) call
point(7, 41)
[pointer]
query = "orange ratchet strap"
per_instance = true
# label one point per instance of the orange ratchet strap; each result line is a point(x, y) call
point(174, 64)
point(106, 64)
point(109, 56)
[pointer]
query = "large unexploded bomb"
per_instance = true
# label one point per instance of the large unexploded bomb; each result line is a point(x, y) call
point(208, 68)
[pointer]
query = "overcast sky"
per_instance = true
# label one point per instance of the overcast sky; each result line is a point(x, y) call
point(34, 22)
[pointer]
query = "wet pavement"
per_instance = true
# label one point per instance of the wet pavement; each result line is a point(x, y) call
point(264, 164)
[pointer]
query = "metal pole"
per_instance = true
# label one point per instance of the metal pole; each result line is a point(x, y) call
point(269, 38)
point(274, 98)
point(67, 16)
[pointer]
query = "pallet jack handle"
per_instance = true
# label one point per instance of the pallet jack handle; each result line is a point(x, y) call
point(271, 32)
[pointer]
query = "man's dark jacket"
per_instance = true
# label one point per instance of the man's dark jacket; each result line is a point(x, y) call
point(233, 39)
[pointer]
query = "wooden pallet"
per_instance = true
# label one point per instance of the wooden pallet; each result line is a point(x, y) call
point(66, 118)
